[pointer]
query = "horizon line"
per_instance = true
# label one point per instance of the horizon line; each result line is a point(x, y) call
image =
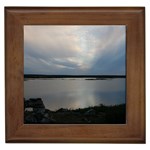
point(65, 76)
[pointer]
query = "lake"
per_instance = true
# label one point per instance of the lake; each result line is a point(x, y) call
point(75, 93)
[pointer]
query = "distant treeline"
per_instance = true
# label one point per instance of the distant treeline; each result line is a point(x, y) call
point(72, 76)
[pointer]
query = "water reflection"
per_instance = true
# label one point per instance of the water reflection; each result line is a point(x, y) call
point(76, 93)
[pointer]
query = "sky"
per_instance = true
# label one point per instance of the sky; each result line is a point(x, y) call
point(75, 50)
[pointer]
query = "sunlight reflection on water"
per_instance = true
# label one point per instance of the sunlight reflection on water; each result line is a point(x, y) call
point(75, 93)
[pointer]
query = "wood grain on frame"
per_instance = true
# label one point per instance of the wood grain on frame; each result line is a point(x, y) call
point(131, 132)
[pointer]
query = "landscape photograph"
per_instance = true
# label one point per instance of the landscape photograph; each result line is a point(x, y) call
point(74, 74)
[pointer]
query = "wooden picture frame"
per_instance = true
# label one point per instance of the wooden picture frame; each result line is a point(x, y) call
point(131, 132)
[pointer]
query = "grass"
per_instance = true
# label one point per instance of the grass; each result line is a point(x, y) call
point(101, 114)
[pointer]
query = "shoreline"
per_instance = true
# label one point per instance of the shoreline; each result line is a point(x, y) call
point(73, 76)
point(100, 114)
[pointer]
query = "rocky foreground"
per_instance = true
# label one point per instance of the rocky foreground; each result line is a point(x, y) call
point(36, 113)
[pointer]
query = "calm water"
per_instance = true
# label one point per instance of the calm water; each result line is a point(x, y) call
point(75, 93)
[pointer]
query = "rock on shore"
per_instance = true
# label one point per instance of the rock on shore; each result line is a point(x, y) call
point(35, 112)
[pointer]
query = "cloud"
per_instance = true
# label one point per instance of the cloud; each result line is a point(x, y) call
point(74, 49)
